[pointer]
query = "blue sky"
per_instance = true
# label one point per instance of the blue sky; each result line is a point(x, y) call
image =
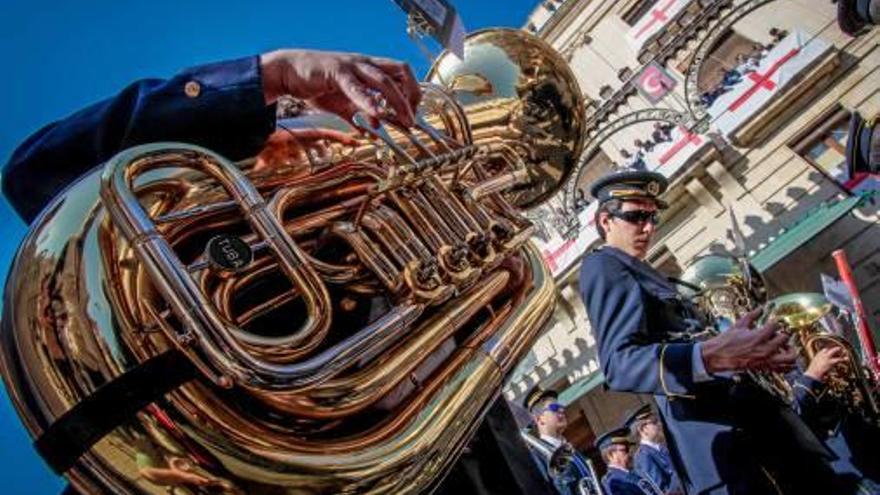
point(61, 56)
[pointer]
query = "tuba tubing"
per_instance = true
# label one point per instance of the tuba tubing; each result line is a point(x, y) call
point(363, 313)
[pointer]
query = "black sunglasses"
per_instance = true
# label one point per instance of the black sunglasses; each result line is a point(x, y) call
point(637, 217)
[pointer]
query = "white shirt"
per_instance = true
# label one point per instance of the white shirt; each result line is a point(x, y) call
point(651, 444)
point(555, 442)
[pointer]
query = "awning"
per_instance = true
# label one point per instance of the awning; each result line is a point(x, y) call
point(577, 389)
point(809, 226)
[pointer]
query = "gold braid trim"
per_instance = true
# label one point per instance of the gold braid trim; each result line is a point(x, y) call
point(807, 390)
point(672, 395)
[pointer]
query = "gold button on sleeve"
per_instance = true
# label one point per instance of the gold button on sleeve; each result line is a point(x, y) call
point(192, 89)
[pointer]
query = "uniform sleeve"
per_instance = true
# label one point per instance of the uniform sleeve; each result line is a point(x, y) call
point(812, 405)
point(219, 106)
point(630, 361)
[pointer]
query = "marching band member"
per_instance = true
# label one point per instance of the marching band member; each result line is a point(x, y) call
point(725, 434)
point(616, 446)
point(557, 459)
point(652, 459)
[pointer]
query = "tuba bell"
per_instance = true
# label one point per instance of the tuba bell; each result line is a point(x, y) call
point(347, 320)
point(816, 324)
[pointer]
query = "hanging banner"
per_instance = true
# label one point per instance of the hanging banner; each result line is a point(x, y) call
point(654, 83)
point(561, 253)
point(757, 88)
point(655, 20)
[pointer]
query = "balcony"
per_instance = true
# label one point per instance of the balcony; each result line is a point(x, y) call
point(787, 77)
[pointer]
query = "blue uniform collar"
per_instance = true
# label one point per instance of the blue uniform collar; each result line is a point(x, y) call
point(648, 277)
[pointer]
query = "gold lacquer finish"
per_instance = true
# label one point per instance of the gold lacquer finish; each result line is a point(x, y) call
point(726, 288)
point(815, 324)
point(350, 316)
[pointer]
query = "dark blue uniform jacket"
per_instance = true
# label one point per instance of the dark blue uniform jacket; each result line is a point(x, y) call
point(656, 465)
point(620, 482)
point(725, 435)
point(226, 113)
point(852, 439)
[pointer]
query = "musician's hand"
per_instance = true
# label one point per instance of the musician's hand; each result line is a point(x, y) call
point(286, 147)
point(743, 348)
point(823, 361)
point(343, 83)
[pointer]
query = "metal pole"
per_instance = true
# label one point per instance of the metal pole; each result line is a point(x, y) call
point(866, 338)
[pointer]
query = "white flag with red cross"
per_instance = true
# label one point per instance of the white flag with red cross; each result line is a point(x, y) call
point(779, 69)
point(668, 157)
point(655, 20)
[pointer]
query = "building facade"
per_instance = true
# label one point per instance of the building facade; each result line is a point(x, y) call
point(744, 106)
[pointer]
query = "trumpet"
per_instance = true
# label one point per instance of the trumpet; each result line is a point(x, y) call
point(816, 324)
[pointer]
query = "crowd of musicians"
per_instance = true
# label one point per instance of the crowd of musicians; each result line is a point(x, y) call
point(718, 426)
point(718, 429)
point(715, 428)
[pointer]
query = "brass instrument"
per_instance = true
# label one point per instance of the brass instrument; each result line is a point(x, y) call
point(817, 324)
point(726, 288)
point(560, 465)
point(350, 319)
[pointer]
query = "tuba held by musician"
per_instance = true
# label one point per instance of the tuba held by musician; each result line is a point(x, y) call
point(339, 325)
point(726, 288)
point(815, 324)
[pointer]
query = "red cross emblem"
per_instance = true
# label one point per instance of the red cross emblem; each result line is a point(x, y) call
point(553, 256)
point(657, 15)
point(686, 139)
point(762, 81)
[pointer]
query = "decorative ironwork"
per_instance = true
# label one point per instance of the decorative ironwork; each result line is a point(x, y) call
point(595, 137)
point(696, 118)
point(666, 52)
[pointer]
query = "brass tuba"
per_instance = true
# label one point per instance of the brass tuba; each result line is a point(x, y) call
point(348, 319)
point(726, 288)
point(816, 324)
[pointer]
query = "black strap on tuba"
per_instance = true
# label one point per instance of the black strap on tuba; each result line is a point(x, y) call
point(77, 430)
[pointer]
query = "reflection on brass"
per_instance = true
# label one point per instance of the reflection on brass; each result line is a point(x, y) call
point(385, 291)
point(726, 288)
point(816, 324)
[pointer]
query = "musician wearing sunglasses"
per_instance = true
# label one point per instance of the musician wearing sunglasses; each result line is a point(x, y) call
point(725, 434)
point(560, 463)
point(651, 459)
point(620, 479)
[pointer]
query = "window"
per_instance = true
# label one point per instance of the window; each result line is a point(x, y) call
point(638, 11)
point(823, 145)
point(724, 57)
